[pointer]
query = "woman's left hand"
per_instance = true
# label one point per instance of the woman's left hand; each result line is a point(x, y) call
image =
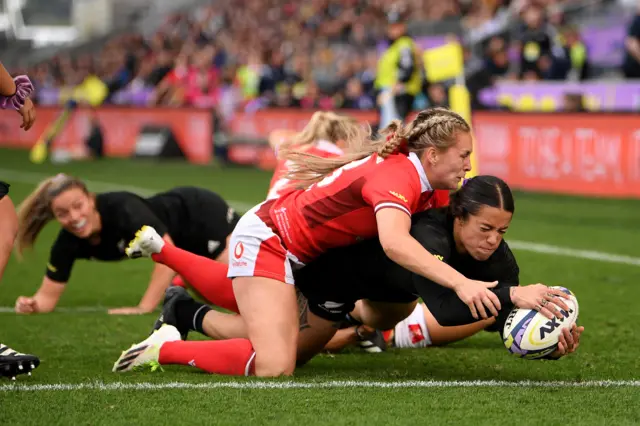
point(568, 342)
point(134, 310)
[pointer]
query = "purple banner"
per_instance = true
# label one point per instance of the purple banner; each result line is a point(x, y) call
point(605, 45)
point(129, 96)
point(623, 96)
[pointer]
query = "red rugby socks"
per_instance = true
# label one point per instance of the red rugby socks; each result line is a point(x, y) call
point(205, 275)
point(234, 357)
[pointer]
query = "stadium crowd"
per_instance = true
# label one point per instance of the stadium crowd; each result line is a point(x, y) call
point(316, 54)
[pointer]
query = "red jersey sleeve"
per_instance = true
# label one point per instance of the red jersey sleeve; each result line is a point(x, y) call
point(395, 184)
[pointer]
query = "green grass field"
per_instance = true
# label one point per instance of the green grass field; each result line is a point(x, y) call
point(74, 384)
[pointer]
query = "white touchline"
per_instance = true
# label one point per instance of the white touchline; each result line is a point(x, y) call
point(31, 177)
point(334, 384)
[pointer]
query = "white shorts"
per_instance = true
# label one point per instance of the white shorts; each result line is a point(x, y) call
point(255, 250)
point(412, 331)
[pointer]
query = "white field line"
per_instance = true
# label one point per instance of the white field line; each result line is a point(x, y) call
point(66, 310)
point(338, 384)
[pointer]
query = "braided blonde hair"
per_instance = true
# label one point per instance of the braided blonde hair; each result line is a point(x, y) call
point(35, 211)
point(433, 127)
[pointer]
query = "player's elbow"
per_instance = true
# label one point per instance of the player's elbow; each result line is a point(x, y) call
point(393, 247)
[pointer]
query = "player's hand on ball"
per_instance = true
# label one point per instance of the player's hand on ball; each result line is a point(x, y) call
point(477, 296)
point(28, 112)
point(26, 305)
point(541, 298)
point(568, 341)
point(133, 310)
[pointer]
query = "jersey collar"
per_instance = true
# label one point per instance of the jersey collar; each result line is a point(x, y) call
point(424, 182)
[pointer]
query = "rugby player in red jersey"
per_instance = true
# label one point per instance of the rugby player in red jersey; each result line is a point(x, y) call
point(372, 190)
point(324, 136)
point(467, 235)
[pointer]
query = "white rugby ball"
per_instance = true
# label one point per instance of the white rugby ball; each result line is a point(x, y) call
point(529, 334)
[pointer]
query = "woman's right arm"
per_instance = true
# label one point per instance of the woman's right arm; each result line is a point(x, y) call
point(45, 299)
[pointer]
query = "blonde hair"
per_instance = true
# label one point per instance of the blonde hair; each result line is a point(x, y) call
point(328, 126)
point(35, 211)
point(433, 127)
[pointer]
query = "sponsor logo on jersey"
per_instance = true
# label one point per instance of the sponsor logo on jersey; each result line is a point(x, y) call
point(416, 333)
point(213, 245)
point(399, 196)
point(238, 251)
point(52, 268)
point(439, 257)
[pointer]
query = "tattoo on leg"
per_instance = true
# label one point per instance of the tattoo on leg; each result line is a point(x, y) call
point(303, 310)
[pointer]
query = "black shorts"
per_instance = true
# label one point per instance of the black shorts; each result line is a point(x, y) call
point(206, 220)
point(336, 280)
point(4, 189)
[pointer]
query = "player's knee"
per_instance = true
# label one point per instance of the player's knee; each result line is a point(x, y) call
point(275, 367)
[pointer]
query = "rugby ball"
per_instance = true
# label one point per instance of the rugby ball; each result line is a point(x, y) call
point(530, 335)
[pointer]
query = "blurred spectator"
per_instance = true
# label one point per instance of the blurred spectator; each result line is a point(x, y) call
point(631, 65)
point(254, 54)
point(437, 95)
point(201, 82)
point(398, 77)
point(573, 102)
point(534, 45)
point(355, 98)
point(497, 60)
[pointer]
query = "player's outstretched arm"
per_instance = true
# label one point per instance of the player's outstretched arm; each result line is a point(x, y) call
point(45, 300)
point(160, 280)
point(406, 251)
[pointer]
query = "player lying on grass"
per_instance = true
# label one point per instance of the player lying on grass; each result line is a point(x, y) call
point(14, 94)
point(370, 191)
point(467, 236)
point(99, 227)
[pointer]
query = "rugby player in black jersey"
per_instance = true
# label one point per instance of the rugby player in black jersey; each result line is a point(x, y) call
point(99, 227)
point(467, 235)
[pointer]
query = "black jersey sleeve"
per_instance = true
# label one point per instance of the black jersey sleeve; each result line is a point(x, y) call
point(449, 310)
point(508, 275)
point(64, 252)
point(4, 189)
point(136, 213)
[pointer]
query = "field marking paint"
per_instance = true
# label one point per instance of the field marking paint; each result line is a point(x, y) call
point(67, 310)
point(336, 384)
point(575, 253)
